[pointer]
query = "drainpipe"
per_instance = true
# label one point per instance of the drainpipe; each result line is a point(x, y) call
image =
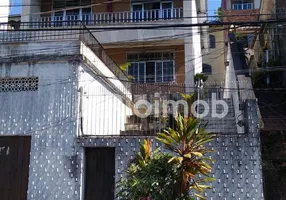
point(267, 67)
point(80, 110)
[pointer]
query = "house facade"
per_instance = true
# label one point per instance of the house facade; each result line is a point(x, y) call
point(67, 107)
point(185, 45)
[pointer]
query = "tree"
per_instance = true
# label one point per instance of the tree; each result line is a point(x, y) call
point(219, 14)
point(157, 175)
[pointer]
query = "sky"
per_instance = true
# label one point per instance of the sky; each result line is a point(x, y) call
point(17, 9)
point(212, 6)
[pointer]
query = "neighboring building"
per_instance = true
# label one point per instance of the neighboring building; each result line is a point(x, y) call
point(268, 66)
point(240, 10)
point(214, 61)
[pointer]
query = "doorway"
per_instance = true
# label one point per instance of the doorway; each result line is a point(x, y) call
point(100, 173)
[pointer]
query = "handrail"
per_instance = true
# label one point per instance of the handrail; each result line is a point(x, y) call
point(102, 54)
point(116, 17)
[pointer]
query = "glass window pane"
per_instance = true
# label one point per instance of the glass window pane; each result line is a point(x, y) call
point(168, 74)
point(167, 10)
point(150, 72)
point(137, 13)
point(141, 77)
point(133, 71)
point(159, 72)
point(58, 18)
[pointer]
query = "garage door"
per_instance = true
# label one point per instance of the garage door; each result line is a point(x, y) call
point(14, 167)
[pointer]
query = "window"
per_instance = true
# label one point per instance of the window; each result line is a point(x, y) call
point(242, 5)
point(151, 67)
point(83, 14)
point(212, 42)
point(152, 10)
point(207, 69)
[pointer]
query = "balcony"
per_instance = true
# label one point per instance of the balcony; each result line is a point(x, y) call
point(106, 18)
point(162, 88)
point(241, 15)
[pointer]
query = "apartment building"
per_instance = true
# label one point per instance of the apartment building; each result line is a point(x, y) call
point(240, 10)
point(156, 55)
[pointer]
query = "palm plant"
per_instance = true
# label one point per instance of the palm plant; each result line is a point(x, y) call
point(170, 176)
point(187, 143)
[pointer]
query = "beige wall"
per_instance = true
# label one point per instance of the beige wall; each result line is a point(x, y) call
point(119, 56)
point(215, 56)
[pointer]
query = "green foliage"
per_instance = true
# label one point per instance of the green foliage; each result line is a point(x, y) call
point(219, 14)
point(187, 142)
point(164, 176)
point(189, 98)
point(124, 68)
point(200, 77)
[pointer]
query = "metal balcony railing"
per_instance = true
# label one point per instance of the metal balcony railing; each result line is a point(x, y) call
point(113, 17)
point(162, 88)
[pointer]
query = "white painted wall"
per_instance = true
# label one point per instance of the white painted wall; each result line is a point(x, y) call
point(103, 111)
point(4, 12)
point(232, 90)
point(193, 53)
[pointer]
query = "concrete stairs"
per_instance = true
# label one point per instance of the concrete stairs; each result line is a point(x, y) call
point(225, 125)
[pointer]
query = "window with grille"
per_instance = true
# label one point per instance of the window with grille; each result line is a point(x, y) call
point(18, 84)
point(151, 67)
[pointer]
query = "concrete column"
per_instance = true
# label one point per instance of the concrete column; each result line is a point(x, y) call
point(193, 56)
point(4, 12)
point(31, 10)
point(202, 18)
